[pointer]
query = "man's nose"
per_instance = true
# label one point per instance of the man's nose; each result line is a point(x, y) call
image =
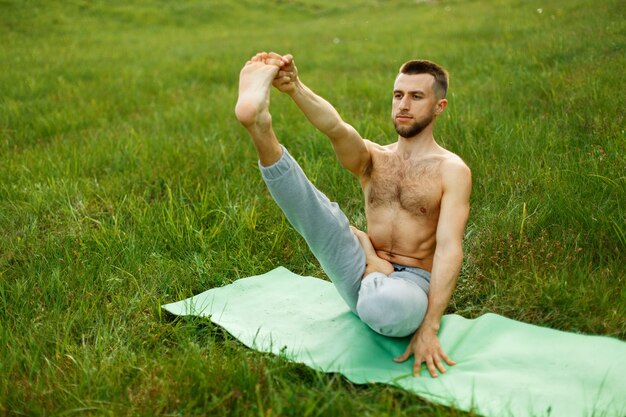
point(405, 103)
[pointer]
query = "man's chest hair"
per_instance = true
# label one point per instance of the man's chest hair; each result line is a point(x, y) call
point(413, 184)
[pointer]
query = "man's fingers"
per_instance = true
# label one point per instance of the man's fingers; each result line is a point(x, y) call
point(431, 367)
point(417, 366)
point(288, 63)
point(407, 353)
point(284, 74)
point(282, 81)
point(447, 359)
point(440, 365)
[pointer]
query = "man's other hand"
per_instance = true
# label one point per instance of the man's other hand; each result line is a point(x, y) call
point(425, 347)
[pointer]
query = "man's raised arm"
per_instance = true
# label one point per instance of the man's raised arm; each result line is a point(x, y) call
point(349, 146)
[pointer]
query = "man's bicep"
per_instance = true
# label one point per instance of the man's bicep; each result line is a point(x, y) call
point(351, 149)
point(454, 210)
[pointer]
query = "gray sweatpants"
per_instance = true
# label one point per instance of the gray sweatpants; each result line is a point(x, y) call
point(392, 305)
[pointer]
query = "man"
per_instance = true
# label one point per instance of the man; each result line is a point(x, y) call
point(399, 277)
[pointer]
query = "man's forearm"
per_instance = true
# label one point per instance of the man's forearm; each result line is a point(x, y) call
point(446, 268)
point(347, 143)
point(319, 111)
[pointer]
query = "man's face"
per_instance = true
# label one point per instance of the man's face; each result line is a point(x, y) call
point(414, 103)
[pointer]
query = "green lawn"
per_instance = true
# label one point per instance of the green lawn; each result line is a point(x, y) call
point(126, 183)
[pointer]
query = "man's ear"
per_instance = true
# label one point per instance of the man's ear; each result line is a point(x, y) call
point(441, 106)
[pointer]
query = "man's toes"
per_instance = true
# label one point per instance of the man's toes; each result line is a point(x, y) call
point(274, 55)
point(272, 61)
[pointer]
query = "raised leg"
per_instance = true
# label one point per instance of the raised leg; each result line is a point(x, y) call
point(320, 221)
point(252, 109)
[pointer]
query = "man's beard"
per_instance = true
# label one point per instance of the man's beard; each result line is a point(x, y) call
point(415, 128)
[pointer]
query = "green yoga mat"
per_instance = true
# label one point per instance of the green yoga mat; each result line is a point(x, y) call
point(505, 367)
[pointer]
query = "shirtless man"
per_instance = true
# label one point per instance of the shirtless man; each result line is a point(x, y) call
point(399, 277)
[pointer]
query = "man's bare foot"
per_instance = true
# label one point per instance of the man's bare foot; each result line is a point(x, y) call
point(372, 261)
point(255, 80)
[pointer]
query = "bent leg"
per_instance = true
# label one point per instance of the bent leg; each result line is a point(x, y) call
point(322, 224)
point(394, 305)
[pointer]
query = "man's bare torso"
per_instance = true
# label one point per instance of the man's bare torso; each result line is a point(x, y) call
point(402, 201)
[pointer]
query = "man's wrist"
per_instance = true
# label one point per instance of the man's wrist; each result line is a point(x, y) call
point(430, 326)
point(298, 89)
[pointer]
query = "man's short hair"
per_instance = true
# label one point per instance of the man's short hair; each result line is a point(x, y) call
point(422, 66)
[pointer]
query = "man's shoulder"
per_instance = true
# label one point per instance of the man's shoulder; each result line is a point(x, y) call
point(452, 161)
point(455, 173)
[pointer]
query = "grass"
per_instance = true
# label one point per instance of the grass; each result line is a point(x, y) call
point(126, 183)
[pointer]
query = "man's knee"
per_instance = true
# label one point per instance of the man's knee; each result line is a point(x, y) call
point(390, 306)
